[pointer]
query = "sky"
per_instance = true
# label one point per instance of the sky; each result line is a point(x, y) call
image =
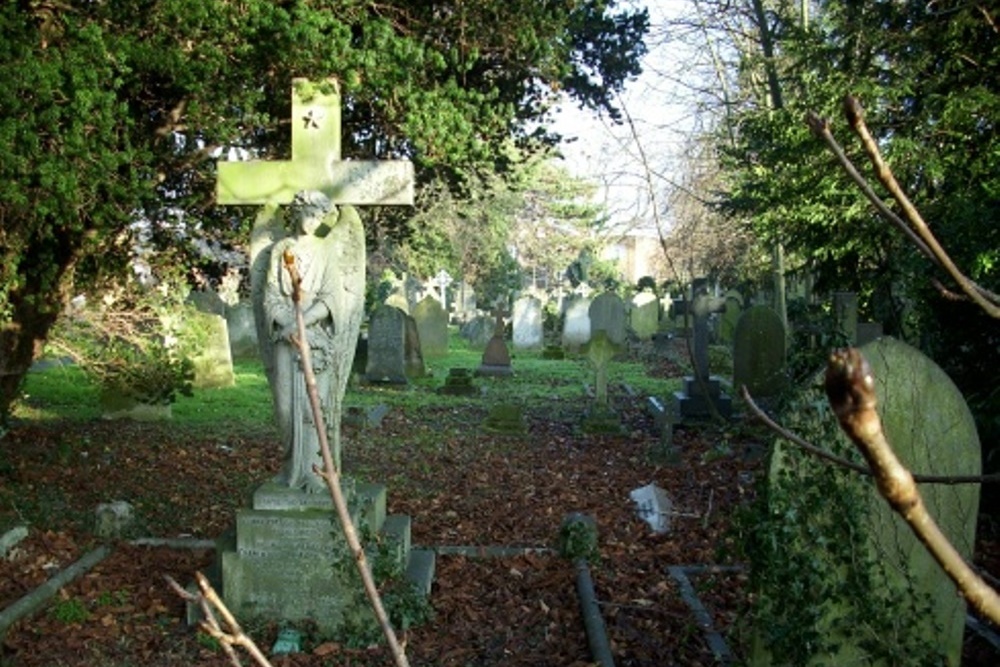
point(662, 114)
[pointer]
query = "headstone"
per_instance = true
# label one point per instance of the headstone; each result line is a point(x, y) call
point(601, 418)
point(459, 383)
point(644, 315)
point(387, 346)
point(464, 304)
point(442, 279)
point(432, 326)
point(868, 332)
point(527, 326)
point(478, 331)
point(242, 331)
point(576, 325)
point(213, 361)
point(759, 352)
point(496, 358)
point(702, 395)
point(413, 353)
point(845, 314)
point(286, 562)
point(932, 431)
point(730, 316)
point(607, 314)
point(653, 506)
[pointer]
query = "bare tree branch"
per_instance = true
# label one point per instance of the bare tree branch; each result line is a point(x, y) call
point(916, 230)
point(331, 475)
point(848, 464)
point(850, 387)
point(209, 600)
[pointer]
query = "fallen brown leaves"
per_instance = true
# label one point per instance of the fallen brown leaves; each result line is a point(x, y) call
point(461, 486)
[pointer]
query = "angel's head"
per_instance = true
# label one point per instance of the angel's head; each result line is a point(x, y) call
point(308, 210)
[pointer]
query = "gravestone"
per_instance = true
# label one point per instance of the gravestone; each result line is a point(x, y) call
point(386, 346)
point(213, 361)
point(845, 314)
point(413, 354)
point(478, 331)
point(932, 431)
point(527, 325)
point(607, 314)
point(464, 305)
point(432, 326)
point(759, 352)
point(730, 317)
point(496, 357)
point(702, 395)
point(868, 332)
point(576, 324)
point(441, 281)
point(287, 560)
point(644, 315)
point(242, 331)
point(601, 418)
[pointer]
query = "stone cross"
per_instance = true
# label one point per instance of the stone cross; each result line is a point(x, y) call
point(443, 279)
point(315, 165)
point(316, 162)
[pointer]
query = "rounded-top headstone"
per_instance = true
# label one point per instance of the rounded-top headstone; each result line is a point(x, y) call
point(931, 430)
point(759, 352)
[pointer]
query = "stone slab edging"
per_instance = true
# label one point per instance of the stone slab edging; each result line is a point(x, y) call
point(716, 643)
point(597, 634)
point(37, 598)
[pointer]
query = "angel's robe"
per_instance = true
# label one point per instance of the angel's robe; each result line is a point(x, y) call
point(300, 442)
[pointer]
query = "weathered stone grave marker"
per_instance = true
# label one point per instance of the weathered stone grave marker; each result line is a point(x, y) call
point(576, 325)
point(644, 315)
point(386, 346)
point(601, 418)
point(702, 391)
point(527, 325)
point(286, 560)
point(932, 431)
point(432, 326)
point(607, 314)
point(496, 358)
point(759, 352)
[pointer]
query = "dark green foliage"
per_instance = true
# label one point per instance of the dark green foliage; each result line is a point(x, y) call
point(112, 111)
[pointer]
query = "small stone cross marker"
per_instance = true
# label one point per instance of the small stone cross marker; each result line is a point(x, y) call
point(315, 163)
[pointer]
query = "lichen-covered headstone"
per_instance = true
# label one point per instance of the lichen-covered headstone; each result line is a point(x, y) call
point(932, 431)
point(386, 346)
point(730, 316)
point(432, 325)
point(759, 352)
point(607, 314)
point(527, 324)
point(576, 325)
point(644, 315)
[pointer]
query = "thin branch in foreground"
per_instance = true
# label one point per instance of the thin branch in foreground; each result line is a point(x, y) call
point(850, 388)
point(846, 463)
point(856, 119)
point(209, 600)
point(331, 475)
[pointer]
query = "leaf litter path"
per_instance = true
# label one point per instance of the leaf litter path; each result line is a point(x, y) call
point(460, 485)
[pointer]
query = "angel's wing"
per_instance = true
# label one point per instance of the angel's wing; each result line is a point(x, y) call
point(268, 229)
point(347, 259)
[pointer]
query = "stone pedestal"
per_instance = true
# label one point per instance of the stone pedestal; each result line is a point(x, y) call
point(287, 559)
point(692, 402)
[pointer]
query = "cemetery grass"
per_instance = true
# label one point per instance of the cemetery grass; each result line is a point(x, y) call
point(462, 486)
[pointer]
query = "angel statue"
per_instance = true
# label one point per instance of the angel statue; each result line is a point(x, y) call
point(328, 247)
